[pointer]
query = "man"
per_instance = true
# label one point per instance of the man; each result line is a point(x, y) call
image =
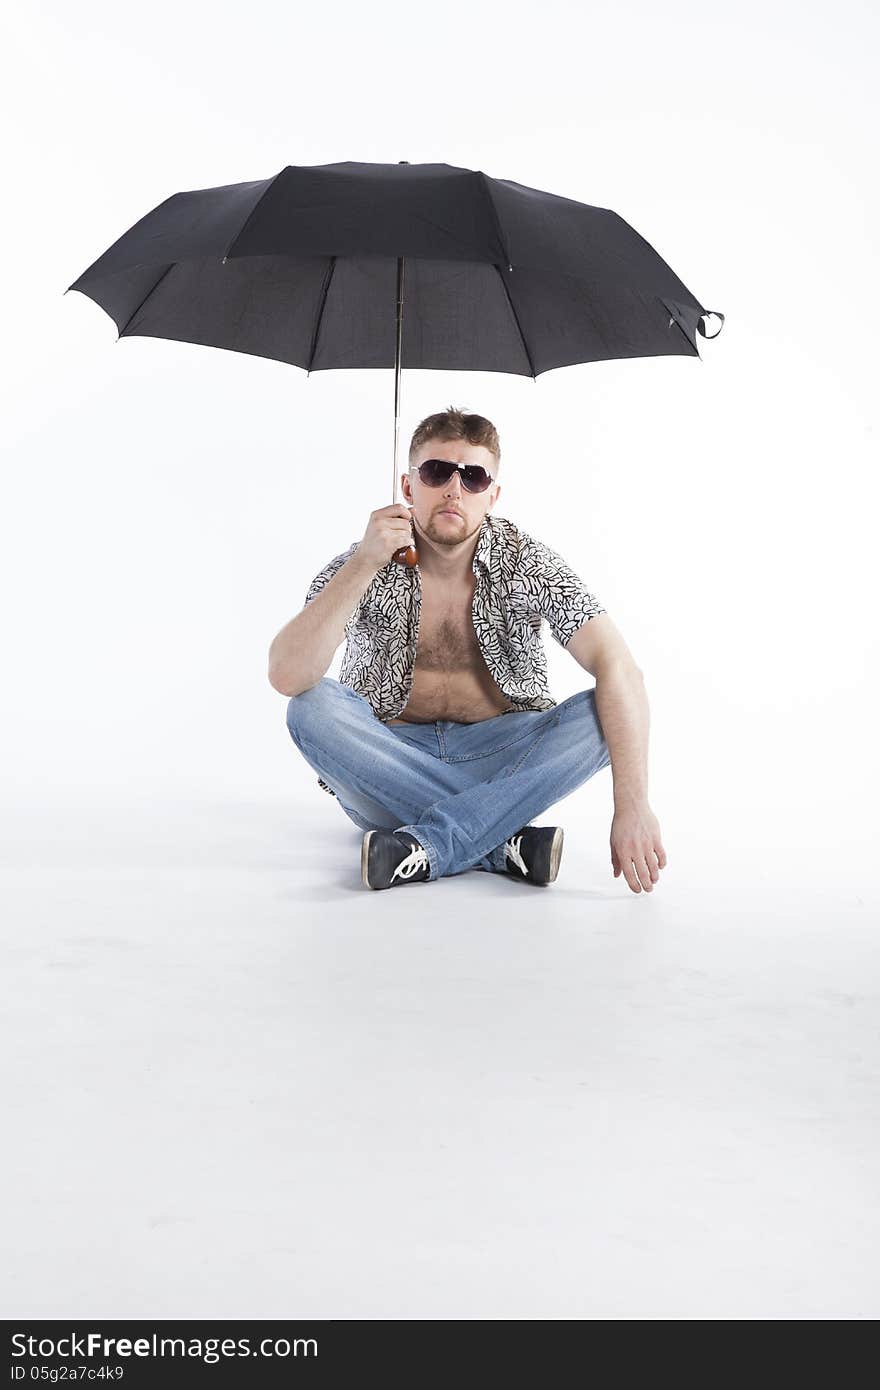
point(440, 740)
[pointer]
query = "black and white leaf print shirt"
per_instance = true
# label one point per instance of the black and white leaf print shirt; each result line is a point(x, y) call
point(519, 582)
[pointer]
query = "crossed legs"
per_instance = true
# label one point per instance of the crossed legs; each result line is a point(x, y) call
point(492, 777)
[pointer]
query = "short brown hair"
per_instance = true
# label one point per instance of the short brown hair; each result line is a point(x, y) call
point(457, 423)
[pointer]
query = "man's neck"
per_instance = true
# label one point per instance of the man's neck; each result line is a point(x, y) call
point(450, 564)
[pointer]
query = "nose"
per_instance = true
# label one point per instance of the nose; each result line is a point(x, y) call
point(453, 487)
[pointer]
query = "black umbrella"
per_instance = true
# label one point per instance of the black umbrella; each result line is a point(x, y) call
point(308, 268)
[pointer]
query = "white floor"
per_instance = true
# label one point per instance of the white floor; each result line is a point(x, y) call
point(237, 1084)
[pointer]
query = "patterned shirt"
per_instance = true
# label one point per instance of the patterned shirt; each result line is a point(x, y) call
point(519, 582)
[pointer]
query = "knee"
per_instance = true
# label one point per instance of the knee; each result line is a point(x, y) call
point(308, 703)
point(326, 702)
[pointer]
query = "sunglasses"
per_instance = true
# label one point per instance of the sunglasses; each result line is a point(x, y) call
point(436, 472)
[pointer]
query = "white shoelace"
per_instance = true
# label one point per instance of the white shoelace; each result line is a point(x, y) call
point(511, 851)
point(416, 859)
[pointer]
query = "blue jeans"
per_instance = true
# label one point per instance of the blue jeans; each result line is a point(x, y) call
point(460, 789)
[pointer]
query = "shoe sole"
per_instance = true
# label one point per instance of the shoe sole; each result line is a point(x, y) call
point(555, 854)
point(365, 858)
point(553, 860)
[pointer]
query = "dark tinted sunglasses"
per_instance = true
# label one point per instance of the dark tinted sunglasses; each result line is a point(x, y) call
point(436, 472)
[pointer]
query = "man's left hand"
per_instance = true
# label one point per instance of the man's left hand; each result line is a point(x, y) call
point(636, 848)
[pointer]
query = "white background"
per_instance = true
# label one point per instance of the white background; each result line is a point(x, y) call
point(166, 505)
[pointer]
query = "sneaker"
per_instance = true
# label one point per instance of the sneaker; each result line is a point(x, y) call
point(534, 853)
point(389, 857)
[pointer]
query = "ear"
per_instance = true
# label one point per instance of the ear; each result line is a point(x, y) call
point(405, 487)
point(497, 495)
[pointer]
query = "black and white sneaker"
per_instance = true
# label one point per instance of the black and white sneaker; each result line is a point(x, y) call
point(534, 853)
point(390, 857)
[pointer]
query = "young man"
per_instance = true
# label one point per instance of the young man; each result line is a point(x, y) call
point(440, 739)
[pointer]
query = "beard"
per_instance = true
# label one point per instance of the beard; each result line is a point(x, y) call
point(448, 530)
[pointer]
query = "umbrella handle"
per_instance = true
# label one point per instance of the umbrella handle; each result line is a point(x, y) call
point(408, 555)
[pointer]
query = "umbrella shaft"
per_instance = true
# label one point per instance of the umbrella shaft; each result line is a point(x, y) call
point(397, 369)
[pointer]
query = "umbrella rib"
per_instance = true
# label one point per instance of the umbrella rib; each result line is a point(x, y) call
point(695, 351)
point(497, 221)
point(328, 276)
point(145, 298)
point(673, 318)
point(518, 324)
point(246, 223)
point(494, 212)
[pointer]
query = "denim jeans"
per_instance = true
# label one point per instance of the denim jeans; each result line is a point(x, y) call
point(460, 789)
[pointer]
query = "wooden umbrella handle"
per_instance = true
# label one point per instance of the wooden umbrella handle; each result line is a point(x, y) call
point(407, 555)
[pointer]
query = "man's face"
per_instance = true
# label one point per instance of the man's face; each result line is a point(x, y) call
point(449, 515)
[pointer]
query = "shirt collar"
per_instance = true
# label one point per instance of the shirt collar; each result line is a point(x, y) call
point(484, 544)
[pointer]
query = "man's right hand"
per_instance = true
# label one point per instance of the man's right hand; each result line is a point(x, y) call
point(388, 530)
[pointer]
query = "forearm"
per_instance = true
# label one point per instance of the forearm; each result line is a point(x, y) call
point(302, 651)
point(622, 706)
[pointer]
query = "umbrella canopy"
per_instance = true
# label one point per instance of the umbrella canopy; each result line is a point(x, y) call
point(302, 268)
point(308, 268)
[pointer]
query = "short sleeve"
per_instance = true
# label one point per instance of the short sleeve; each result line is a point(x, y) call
point(559, 594)
point(328, 571)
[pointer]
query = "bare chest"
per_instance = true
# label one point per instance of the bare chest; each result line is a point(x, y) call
point(447, 640)
point(450, 678)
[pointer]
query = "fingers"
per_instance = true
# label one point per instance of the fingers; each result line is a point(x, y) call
point(394, 509)
point(641, 871)
point(636, 848)
point(631, 876)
